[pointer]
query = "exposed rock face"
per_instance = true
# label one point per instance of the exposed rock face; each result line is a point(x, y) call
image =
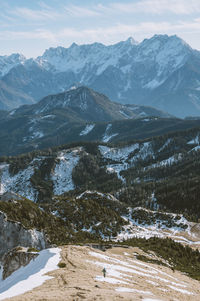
point(13, 234)
point(15, 259)
point(9, 196)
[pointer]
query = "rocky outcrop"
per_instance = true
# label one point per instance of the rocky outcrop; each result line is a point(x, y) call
point(15, 259)
point(9, 196)
point(13, 234)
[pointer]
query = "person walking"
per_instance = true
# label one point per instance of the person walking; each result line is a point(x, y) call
point(104, 272)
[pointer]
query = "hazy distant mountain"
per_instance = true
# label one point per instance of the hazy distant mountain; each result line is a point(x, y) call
point(162, 72)
point(68, 117)
point(86, 104)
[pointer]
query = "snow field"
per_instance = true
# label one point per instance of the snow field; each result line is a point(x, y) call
point(62, 175)
point(106, 137)
point(87, 129)
point(30, 276)
point(20, 182)
point(130, 271)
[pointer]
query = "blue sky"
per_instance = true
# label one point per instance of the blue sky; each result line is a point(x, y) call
point(31, 26)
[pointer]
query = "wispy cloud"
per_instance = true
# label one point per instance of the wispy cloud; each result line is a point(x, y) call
point(30, 14)
point(107, 35)
point(80, 11)
point(28, 35)
point(55, 22)
point(184, 7)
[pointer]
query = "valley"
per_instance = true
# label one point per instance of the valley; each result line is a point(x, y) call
point(99, 168)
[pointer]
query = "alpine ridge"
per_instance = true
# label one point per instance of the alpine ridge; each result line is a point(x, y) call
point(162, 71)
point(72, 115)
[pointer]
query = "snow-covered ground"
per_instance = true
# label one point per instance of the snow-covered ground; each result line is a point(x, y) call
point(158, 228)
point(165, 145)
point(20, 182)
point(87, 129)
point(62, 175)
point(30, 276)
point(123, 156)
point(169, 161)
point(194, 140)
point(108, 135)
point(129, 272)
point(117, 154)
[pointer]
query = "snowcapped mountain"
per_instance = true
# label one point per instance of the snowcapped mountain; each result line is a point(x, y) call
point(162, 71)
point(85, 57)
point(164, 53)
point(9, 62)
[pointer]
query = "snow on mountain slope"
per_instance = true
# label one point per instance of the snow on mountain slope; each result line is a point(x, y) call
point(131, 69)
point(133, 163)
point(30, 276)
point(76, 58)
point(108, 135)
point(146, 223)
point(167, 53)
point(127, 270)
point(20, 182)
point(127, 278)
point(62, 174)
point(117, 153)
point(164, 51)
point(125, 157)
point(8, 62)
point(87, 129)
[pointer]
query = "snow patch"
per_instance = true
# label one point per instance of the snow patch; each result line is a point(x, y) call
point(194, 141)
point(165, 145)
point(117, 154)
point(30, 276)
point(158, 227)
point(180, 290)
point(20, 182)
point(87, 130)
point(195, 149)
point(125, 115)
point(107, 137)
point(62, 175)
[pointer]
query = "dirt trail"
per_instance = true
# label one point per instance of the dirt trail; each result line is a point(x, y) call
point(127, 279)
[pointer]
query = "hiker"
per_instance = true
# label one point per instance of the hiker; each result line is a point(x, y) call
point(104, 272)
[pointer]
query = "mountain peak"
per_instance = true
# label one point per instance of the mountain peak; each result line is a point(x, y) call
point(7, 62)
point(74, 45)
point(173, 39)
point(131, 41)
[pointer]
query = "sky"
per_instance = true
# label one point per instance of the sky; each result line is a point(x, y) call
point(31, 26)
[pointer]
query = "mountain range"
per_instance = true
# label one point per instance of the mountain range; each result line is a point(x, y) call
point(162, 72)
point(151, 173)
point(80, 114)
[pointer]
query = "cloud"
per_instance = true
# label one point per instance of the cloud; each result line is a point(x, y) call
point(79, 11)
point(124, 30)
point(39, 34)
point(178, 7)
point(35, 15)
point(106, 35)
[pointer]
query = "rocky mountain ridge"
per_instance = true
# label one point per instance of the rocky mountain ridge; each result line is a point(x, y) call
point(68, 117)
point(161, 71)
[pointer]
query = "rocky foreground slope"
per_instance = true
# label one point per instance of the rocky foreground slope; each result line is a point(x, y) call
point(127, 278)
